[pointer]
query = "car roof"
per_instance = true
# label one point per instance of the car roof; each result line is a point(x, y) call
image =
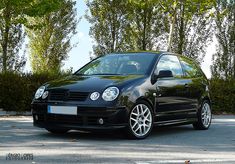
point(156, 53)
point(144, 52)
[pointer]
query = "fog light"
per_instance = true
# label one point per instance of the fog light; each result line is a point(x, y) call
point(94, 96)
point(101, 121)
point(45, 94)
point(36, 117)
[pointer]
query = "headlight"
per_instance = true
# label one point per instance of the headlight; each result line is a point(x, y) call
point(110, 94)
point(39, 92)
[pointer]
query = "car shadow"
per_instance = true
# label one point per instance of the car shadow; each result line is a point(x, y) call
point(157, 132)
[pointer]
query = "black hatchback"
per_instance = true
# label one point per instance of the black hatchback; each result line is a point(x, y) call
point(133, 91)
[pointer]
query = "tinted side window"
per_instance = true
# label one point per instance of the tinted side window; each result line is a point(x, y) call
point(170, 62)
point(191, 70)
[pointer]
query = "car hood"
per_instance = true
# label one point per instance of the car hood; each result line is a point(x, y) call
point(92, 83)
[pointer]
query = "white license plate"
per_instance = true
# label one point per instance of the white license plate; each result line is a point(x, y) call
point(67, 110)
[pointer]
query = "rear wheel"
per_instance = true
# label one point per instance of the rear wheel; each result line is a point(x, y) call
point(140, 121)
point(58, 131)
point(204, 116)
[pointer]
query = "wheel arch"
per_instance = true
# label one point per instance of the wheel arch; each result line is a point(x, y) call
point(150, 103)
point(205, 98)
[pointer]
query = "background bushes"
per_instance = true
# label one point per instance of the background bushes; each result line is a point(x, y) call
point(17, 91)
point(223, 95)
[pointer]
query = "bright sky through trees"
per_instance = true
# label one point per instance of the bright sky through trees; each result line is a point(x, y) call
point(80, 54)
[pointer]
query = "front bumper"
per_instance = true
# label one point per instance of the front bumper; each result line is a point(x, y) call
point(87, 118)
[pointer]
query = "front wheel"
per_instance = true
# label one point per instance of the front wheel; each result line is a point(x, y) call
point(204, 116)
point(140, 121)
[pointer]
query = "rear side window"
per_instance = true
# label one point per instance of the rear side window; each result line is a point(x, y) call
point(190, 68)
point(170, 62)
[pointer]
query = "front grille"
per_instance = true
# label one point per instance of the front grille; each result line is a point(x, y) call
point(57, 95)
point(78, 120)
point(65, 119)
point(65, 95)
point(77, 96)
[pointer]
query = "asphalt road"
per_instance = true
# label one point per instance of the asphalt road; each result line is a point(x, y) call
point(164, 145)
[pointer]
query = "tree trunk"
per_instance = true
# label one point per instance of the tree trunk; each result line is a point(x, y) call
point(172, 26)
point(113, 34)
point(234, 66)
point(181, 31)
point(4, 49)
point(5, 39)
point(233, 51)
point(113, 28)
point(113, 48)
point(144, 32)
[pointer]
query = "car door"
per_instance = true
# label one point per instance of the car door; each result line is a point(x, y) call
point(195, 80)
point(171, 92)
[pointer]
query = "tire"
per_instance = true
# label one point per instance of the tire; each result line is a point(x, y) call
point(57, 131)
point(204, 116)
point(140, 121)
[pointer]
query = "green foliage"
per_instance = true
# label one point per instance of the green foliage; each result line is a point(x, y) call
point(11, 88)
point(224, 59)
point(223, 68)
point(23, 8)
point(223, 95)
point(192, 32)
point(11, 39)
point(125, 25)
point(145, 25)
point(109, 21)
point(50, 43)
point(189, 26)
point(13, 14)
point(17, 90)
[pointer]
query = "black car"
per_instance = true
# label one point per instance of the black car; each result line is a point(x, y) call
point(133, 91)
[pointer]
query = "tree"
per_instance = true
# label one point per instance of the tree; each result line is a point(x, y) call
point(50, 39)
point(146, 24)
point(224, 60)
point(13, 14)
point(11, 39)
point(189, 26)
point(192, 35)
point(125, 25)
point(108, 19)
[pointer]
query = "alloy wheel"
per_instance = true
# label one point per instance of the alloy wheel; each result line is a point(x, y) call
point(140, 120)
point(206, 115)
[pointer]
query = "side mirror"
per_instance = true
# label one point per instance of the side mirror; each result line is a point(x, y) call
point(161, 74)
point(165, 73)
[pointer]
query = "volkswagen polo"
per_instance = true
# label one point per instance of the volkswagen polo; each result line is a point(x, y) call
point(132, 91)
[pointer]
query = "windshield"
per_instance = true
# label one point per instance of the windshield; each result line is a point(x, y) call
point(119, 64)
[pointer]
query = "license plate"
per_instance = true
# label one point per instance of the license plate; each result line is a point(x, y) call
point(67, 110)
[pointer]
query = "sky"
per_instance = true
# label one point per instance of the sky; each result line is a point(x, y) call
point(80, 54)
